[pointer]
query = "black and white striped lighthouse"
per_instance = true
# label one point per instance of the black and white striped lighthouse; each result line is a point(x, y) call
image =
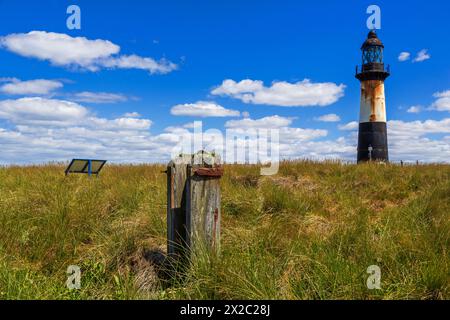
point(372, 136)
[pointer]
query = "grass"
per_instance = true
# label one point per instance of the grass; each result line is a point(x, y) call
point(309, 232)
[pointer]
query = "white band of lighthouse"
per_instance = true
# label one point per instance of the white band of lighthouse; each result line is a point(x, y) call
point(372, 106)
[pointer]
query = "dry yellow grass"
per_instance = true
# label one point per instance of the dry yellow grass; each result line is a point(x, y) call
point(309, 232)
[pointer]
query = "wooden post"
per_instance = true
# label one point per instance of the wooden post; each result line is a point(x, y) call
point(193, 203)
point(176, 205)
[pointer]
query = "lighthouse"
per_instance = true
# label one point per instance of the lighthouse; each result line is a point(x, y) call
point(372, 135)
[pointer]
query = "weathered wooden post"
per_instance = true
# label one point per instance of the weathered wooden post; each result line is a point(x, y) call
point(193, 204)
point(176, 205)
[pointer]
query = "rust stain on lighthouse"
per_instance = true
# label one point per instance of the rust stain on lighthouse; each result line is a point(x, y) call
point(372, 101)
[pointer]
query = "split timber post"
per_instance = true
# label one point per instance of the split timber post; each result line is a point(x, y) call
point(193, 204)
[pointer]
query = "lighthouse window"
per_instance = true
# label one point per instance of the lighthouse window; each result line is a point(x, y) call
point(373, 55)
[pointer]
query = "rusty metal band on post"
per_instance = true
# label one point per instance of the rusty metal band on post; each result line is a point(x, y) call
point(214, 172)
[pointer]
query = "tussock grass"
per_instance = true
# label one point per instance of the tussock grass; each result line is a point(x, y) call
point(309, 232)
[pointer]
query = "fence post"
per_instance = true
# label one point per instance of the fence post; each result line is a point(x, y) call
point(193, 203)
point(176, 208)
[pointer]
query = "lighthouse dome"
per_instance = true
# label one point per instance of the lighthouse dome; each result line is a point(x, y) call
point(372, 40)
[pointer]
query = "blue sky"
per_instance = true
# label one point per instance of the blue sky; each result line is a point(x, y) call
point(111, 89)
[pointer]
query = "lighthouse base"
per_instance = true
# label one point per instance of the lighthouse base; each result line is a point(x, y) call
point(372, 142)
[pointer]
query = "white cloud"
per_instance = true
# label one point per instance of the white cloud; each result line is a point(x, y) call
point(119, 124)
point(410, 141)
point(57, 130)
point(329, 118)
point(422, 55)
point(41, 111)
point(31, 144)
point(30, 87)
point(410, 129)
point(43, 130)
point(136, 62)
point(203, 109)
point(422, 149)
point(63, 50)
point(263, 123)
point(403, 56)
point(339, 148)
point(245, 133)
point(189, 125)
point(293, 142)
point(443, 101)
point(414, 109)
point(291, 139)
point(349, 126)
point(299, 94)
point(60, 49)
point(98, 97)
point(8, 79)
point(132, 115)
point(418, 128)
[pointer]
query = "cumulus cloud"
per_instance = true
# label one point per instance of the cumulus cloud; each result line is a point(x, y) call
point(132, 115)
point(136, 62)
point(31, 144)
point(41, 130)
point(63, 50)
point(290, 138)
point(422, 55)
point(410, 129)
point(30, 87)
point(349, 126)
point(42, 112)
point(300, 94)
point(203, 109)
point(34, 143)
point(60, 49)
point(119, 124)
point(403, 56)
point(442, 102)
point(266, 122)
point(329, 118)
point(8, 79)
point(412, 141)
point(249, 136)
point(98, 97)
point(414, 109)
point(418, 128)
point(189, 125)
point(293, 142)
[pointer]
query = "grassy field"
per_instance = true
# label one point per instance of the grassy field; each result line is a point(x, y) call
point(309, 232)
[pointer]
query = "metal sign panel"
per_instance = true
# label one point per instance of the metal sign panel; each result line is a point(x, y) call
point(87, 166)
